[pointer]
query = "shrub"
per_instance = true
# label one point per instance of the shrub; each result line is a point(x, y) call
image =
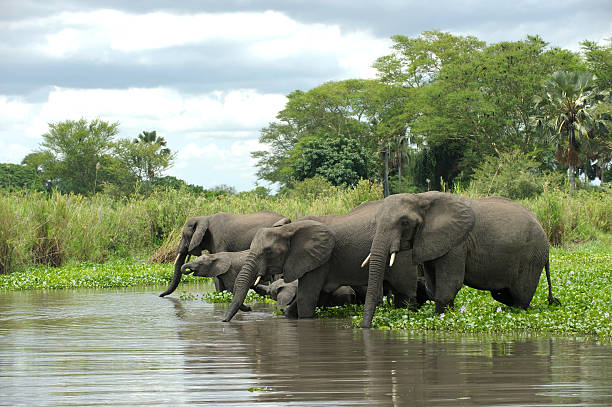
point(512, 175)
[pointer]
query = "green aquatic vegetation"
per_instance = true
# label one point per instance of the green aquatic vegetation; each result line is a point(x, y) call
point(117, 273)
point(582, 280)
point(220, 297)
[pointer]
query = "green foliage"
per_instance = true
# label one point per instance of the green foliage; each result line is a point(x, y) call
point(147, 155)
point(311, 188)
point(116, 273)
point(37, 228)
point(15, 177)
point(579, 216)
point(338, 160)
point(599, 61)
point(470, 98)
point(327, 111)
point(78, 155)
point(565, 113)
point(513, 175)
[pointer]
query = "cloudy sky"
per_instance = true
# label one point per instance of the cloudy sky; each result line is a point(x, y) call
point(208, 75)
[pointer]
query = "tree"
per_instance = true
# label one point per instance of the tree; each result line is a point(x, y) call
point(566, 114)
point(338, 160)
point(76, 155)
point(599, 61)
point(470, 99)
point(330, 110)
point(150, 156)
point(15, 177)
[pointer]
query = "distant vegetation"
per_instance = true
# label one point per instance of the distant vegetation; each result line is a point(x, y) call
point(444, 104)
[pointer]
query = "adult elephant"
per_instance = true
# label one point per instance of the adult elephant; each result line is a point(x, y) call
point(321, 256)
point(221, 232)
point(491, 244)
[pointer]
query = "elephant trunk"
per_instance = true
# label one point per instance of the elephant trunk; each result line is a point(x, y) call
point(176, 277)
point(244, 281)
point(378, 263)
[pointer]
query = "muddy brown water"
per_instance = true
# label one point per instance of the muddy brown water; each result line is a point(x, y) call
point(129, 347)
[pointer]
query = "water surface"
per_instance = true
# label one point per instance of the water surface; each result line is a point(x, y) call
point(129, 347)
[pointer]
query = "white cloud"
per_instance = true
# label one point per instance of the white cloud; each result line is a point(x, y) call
point(269, 35)
point(166, 109)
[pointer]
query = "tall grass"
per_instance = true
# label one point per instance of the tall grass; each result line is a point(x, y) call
point(41, 229)
point(53, 230)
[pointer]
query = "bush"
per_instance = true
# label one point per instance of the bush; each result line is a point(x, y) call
point(311, 188)
point(512, 175)
point(579, 216)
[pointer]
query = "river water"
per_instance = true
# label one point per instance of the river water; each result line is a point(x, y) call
point(129, 347)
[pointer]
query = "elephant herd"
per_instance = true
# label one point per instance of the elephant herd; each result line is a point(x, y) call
point(412, 246)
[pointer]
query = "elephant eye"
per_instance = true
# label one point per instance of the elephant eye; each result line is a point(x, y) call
point(405, 222)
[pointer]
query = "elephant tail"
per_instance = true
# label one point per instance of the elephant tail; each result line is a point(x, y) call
point(551, 300)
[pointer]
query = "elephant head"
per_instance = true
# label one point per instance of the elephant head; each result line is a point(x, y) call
point(293, 250)
point(208, 265)
point(192, 243)
point(280, 291)
point(429, 223)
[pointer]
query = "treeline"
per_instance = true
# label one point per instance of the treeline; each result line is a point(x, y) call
point(81, 157)
point(441, 107)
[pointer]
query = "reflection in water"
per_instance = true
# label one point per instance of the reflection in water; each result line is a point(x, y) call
point(129, 347)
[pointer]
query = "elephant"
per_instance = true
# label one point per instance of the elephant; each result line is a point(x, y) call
point(221, 232)
point(224, 266)
point(285, 294)
point(321, 257)
point(491, 243)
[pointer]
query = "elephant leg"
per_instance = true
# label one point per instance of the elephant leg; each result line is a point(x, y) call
point(401, 280)
point(291, 311)
point(524, 288)
point(324, 300)
point(503, 296)
point(449, 273)
point(309, 288)
point(219, 286)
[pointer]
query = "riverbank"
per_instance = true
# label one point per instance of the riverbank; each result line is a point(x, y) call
point(581, 276)
point(58, 230)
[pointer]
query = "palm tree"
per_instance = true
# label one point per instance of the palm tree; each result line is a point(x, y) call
point(565, 113)
point(150, 163)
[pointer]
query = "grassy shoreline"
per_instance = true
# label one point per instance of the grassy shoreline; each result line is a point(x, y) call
point(581, 278)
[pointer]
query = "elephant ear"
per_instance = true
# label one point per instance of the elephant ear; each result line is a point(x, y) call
point(281, 222)
point(201, 226)
point(286, 293)
point(446, 223)
point(220, 265)
point(311, 246)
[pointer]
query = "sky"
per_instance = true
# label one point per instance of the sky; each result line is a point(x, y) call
point(209, 75)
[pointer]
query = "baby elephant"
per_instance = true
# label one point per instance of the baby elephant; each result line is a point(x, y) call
point(286, 293)
point(223, 265)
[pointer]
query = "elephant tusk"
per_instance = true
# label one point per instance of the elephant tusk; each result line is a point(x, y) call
point(366, 261)
point(392, 259)
point(257, 280)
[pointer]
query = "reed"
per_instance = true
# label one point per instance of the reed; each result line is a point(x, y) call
point(53, 230)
